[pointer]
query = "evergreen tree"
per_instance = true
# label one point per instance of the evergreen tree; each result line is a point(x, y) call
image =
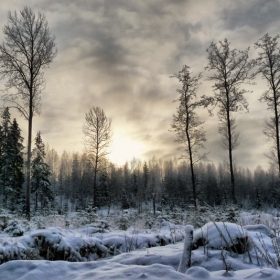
point(125, 203)
point(146, 175)
point(75, 178)
point(11, 161)
point(17, 162)
point(40, 173)
point(6, 150)
point(86, 181)
point(258, 203)
point(102, 191)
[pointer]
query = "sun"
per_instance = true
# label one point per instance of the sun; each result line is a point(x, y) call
point(124, 149)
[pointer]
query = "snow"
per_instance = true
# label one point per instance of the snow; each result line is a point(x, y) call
point(142, 254)
point(185, 262)
point(157, 264)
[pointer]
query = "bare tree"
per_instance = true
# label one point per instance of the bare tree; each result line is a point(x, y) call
point(231, 68)
point(186, 123)
point(98, 134)
point(268, 63)
point(27, 50)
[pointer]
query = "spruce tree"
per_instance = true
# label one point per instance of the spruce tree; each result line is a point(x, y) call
point(11, 162)
point(17, 162)
point(102, 190)
point(124, 200)
point(75, 179)
point(6, 150)
point(40, 173)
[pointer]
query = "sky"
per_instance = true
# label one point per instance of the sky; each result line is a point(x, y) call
point(119, 55)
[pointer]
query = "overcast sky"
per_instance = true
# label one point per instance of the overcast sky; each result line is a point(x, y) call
point(119, 54)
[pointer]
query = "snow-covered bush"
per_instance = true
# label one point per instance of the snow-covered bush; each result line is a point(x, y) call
point(53, 244)
point(220, 235)
point(14, 228)
point(123, 223)
point(4, 219)
point(197, 219)
point(149, 222)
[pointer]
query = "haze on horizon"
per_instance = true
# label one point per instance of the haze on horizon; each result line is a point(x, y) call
point(119, 55)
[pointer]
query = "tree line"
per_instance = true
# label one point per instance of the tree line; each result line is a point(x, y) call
point(155, 184)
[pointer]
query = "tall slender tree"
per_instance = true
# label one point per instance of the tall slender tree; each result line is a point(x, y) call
point(28, 48)
point(98, 134)
point(230, 69)
point(268, 63)
point(186, 123)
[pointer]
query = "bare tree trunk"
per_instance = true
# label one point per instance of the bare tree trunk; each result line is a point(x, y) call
point(234, 200)
point(231, 162)
point(190, 153)
point(28, 163)
point(36, 201)
point(95, 183)
point(276, 125)
point(192, 169)
point(154, 203)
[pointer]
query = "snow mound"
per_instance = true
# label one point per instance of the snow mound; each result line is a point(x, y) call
point(54, 244)
point(261, 229)
point(198, 272)
point(229, 236)
point(45, 270)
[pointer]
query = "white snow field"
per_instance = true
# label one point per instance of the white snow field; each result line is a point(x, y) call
point(221, 250)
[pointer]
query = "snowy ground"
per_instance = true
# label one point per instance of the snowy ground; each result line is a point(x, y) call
point(249, 250)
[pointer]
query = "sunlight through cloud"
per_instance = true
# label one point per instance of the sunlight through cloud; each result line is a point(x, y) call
point(124, 149)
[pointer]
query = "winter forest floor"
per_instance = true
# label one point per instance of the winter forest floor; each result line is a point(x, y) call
point(227, 242)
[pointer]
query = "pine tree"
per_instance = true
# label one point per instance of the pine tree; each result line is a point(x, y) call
point(40, 173)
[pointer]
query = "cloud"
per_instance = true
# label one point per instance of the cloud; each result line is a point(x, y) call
point(119, 54)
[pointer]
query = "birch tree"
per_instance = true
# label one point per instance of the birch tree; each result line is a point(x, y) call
point(97, 137)
point(28, 49)
point(186, 123)
point(268, 63)
point(229, 70)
